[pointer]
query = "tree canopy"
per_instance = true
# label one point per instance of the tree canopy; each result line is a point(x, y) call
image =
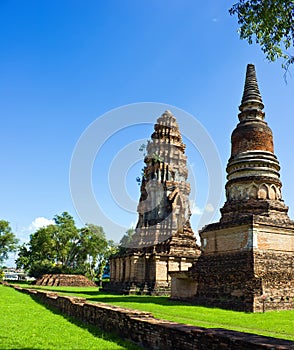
point(63, 248)
point(8, 241)
point(127, 237)
point(269, 23)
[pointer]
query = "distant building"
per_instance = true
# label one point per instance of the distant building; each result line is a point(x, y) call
point(12, 274)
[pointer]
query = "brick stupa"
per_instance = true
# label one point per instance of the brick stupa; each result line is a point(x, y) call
point(247, 260)
point(163, 240)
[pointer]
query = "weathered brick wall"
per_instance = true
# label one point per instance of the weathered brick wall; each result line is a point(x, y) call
point(226, 281)
point(276, 271)
point(278, 239)
point(252, 135)
point(226, 240)
point(151, 333)
point(239, 281)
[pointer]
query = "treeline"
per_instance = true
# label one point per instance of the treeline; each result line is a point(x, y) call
point(61, 248)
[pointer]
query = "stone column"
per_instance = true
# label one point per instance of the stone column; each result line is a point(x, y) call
point(133, 267)
point(127, 268)
point(147, 268)
point(117, 269)
point(184, 264)
point(160, 269)
point(141, 271)
point(112, 267)
point(172, 265)
point(121, 269)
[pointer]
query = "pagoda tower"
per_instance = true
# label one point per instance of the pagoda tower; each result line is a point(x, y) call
point(163, 240)
point(247, 259)
point(253, 186)
point(164, 209)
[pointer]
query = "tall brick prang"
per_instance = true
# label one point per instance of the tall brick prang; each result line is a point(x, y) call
point(163, 240)
point(164, 209)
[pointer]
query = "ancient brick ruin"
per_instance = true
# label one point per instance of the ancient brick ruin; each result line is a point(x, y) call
point(247, 259)
point(163, 239)
point(65, 280)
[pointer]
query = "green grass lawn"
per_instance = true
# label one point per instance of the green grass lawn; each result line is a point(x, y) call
point(26, 324)
point(278, 324)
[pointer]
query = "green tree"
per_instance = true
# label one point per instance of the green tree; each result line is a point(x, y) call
point(112, 249)
point(66, 240)
point(63, 248)
point(94, 250)
point(126, 239)
point(8, 241)
point(39, 255)
point(270, 24)
point(1, 274)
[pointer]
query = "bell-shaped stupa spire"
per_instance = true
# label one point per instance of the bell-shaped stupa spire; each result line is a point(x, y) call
point(251, 104)
point(254, 185)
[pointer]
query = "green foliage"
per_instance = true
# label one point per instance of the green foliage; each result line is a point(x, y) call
point(143, 148)
point(63, 248)
point(8, 241)
point(269, 23)
point(94, 248)
point(66, 240)
point(126, 240)
point(1, 275)
point(156, 158)
point(112, 249)
point(26, 324)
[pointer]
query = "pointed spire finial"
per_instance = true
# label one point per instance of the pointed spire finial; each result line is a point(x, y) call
point(168, 119)
point(251, 100)
point(168, 112)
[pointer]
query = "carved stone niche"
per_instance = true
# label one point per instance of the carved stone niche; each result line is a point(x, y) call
point(262, 192)
point(253, 191)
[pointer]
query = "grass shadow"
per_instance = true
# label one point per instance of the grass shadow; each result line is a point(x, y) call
point(95, 331)
point(105, 297)
point(110, 298)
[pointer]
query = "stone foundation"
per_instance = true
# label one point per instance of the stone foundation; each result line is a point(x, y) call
point(276, 271)
point(242, 281)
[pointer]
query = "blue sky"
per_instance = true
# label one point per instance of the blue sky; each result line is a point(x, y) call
point(66, 63)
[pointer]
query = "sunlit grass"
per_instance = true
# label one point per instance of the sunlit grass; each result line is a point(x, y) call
point(26, 324)
point(278, 324)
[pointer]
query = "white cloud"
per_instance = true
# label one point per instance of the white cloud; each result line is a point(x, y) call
point(209, 207)
point(194, 209)
point(24, 233)
point(38, 223)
